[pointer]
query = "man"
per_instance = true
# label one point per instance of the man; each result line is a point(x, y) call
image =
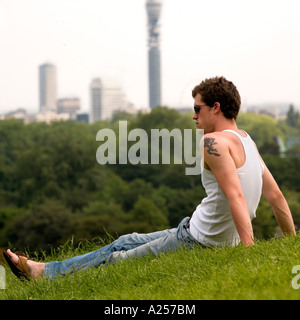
point(234, 174)
point(234, 177)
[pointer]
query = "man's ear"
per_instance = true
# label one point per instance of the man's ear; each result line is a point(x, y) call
point(217, 107)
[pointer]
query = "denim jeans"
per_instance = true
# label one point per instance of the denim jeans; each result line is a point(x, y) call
point(126, 246)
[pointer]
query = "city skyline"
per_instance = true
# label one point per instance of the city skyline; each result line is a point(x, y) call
point(253, 43)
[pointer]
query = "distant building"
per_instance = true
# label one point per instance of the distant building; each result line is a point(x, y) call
point(47, 116)
point(83, 117)
point(96, 100)
point(183, 109)
point(107, 97)
point(270, 111)
point(47, 88)
point(68, 105)
point(19, 114)
point(153, 8)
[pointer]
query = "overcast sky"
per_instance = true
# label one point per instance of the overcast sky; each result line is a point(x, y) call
point(254, 43)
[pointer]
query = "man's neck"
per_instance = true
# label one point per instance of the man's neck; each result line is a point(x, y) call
point(226, 124)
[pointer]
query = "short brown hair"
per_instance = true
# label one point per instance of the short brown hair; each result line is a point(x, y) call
point(220, 90)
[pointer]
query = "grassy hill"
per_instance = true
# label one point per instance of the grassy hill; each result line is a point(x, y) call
point(263, 271)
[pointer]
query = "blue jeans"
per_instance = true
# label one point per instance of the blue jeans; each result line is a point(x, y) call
point(126, 246)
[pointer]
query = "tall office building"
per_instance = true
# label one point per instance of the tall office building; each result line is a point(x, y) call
point(95, 100)
point(106, 97)
point(47, 83)
point(153, 10)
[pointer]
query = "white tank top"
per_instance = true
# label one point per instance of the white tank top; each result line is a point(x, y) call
point(212, 222)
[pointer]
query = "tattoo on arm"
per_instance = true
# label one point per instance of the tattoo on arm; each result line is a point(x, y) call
point(209, 143)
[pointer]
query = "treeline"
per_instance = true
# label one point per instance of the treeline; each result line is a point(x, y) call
point(52, 187)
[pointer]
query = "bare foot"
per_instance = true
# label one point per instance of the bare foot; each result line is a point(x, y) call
point(36, 269)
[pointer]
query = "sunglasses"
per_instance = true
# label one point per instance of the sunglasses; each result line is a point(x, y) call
point(197, 108)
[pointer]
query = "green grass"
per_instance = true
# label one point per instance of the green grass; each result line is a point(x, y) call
point(263, 271)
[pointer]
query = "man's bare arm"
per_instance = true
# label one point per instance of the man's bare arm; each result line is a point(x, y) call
point(278, 203)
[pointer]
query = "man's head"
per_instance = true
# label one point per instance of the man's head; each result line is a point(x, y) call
point(220, 90)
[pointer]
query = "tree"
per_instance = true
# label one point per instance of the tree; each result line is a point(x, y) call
point(264, 225)
point(182, 203)
point(270, 147)
point(285, 171)
point(146, 217)
point(98, 220)
point(261, 128)
point(42, 227)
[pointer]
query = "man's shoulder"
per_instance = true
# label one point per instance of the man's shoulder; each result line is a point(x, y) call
point(216, 138)
point(214, 142)
point(215, 134)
